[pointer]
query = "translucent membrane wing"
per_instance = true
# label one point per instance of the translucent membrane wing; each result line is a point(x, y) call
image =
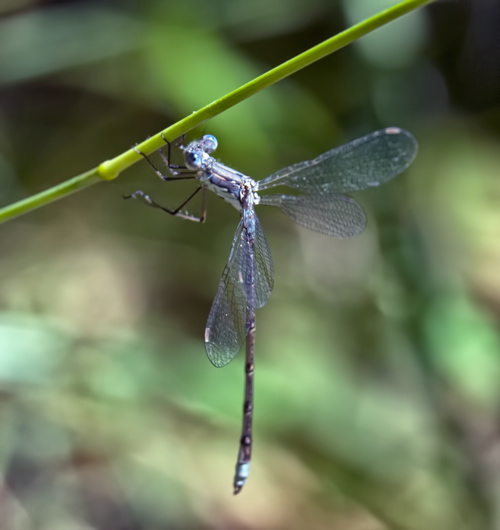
point(331, 214)
point(263, 265)
point(360, 164)
point(264, 270)
point(225, 329)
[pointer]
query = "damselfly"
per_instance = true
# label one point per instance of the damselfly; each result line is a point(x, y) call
point(248, 277)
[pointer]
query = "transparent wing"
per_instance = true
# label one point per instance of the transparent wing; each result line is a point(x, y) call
point(331, 214)
point(362, 163)
point(225, 329)
point(264, 270)
point(259, 254)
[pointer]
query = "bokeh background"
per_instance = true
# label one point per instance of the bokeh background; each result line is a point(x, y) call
point(377, 358)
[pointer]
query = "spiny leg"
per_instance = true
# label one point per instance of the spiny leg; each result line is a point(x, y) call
point(171, 167)
point(190, 175)
point(203, 215)
point(177, 211)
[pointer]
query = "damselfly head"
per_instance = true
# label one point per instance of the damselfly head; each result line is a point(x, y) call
point(197, 152)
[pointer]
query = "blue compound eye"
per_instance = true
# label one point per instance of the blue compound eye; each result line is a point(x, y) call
point(193, 160)
point(210, 143)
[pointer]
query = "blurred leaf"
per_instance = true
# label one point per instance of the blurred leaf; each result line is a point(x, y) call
point(32, 349)
point(265, 19)
point(378, 48)
point(466, 347)
point(45, 42)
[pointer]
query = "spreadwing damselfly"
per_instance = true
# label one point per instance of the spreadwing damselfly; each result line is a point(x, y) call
point(248, 277)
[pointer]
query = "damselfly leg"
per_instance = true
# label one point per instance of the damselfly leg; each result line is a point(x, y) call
point(175, 169)
point(189, 175)
point(139, 194)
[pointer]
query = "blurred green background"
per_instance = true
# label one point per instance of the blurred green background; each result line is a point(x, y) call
point(377, 358)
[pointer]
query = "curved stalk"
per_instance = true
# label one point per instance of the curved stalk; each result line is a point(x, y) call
point(110, 169)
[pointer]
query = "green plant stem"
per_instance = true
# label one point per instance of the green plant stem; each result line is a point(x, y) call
point(110, 169)
point(56, 192)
